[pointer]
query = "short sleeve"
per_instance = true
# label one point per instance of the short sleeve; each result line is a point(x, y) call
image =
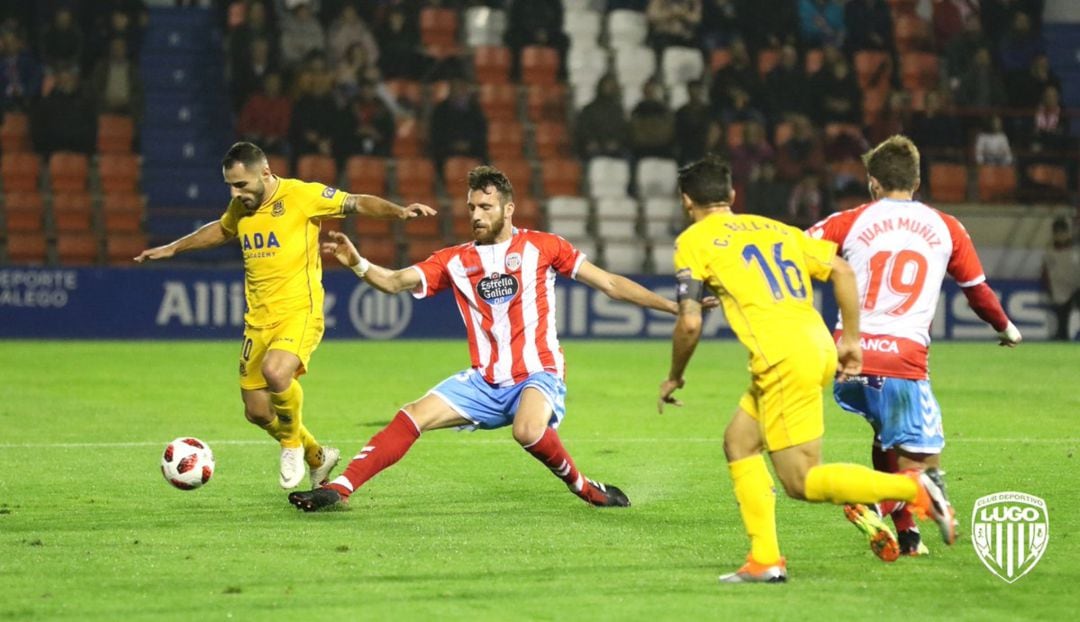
point(817, 254)
point(323, 201)
point(434, 276)
point(835, 228)
point(964, 264)
point(230, 220)
point(563, 256)
point(686, 261)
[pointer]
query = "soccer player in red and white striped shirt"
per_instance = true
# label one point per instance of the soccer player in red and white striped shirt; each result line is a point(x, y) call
point(504, 284)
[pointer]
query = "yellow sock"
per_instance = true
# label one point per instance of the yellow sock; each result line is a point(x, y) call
point(757, 504)
point(288, 405)
point(852, 483)
point(274, 428)
point(312, 448)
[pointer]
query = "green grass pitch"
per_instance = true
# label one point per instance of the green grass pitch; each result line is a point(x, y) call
point(468, 526)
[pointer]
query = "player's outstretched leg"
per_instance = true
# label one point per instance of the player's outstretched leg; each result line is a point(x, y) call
point(315, 499)
point(882, 541)
point(549, 450)
point(933, 503)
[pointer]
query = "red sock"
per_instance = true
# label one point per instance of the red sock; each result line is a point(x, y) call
point(382, 451)
point(549, 450)
point(889, 462)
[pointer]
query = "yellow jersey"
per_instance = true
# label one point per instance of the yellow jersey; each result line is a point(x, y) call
point(280, 241)
point(761, 270)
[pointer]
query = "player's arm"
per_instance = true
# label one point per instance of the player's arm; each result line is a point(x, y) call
point(383, 279)
point(684, 341)
point(848, 349)
point(619, 287)
point(378, 207)
point(986, 305)
point(965, 267)
point(207, 236)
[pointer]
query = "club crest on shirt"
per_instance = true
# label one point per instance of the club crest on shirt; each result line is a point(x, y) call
point(513, 262)
point(328, 192)
point(278, 209)
point(497, 288)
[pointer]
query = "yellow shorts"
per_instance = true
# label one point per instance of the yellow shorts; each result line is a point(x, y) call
point(786, 399)
point(299, 334)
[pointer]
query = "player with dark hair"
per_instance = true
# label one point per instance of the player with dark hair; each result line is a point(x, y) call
point(504, 284)
point(761, 269)
point(276, 221)
point(900, 250)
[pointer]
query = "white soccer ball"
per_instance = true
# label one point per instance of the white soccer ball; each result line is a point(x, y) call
point(187, 463)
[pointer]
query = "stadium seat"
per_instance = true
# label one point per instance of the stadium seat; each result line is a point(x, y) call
point(122, 212)
point(378, 250)
point(419, 249)
point(519, 172)
point(27, 247)
point(719, 58)
point(374, 227)
point(366, 174)
point(572, 207)
point(616, 218)
point(456, 173)
point(408, 139)
point(546, 103)
point(419, 228)
point(1049, 175)
point(72, 211)
point(331, 224)
point(115, 134)
point(661, 218)
point(491, 64)
point(527, 212)
point(484, 26)
point(633, 66)
point(873, 101)
point(68, 171)
point(506, 140)
point(121, 247)
point(20, 172)
point(438, 29)
point(585, 66)
point(948, 182)
point(910, 33)
point(680, 65)
point(551, 140)
point(119, 172)
point(627, 257)
point(408, 93)
point(626, 28)
point(539, 65)
point(873, 68)
point(499, 101)
point(656, 177)
point(569, 228)
point(582, 27)
point(560, 176)
point(415, 176)
point(279, 165)
point(919, 71)
point(996, 183)
point(902, 7)
point(79, 248)
point(608, 177)
point(15, 133)
point(767, 60)
point(320, 168)
point(24, 212)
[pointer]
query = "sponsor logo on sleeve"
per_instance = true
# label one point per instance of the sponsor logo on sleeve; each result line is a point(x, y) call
point(328, 192)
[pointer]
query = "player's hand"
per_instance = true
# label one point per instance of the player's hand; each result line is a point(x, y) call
point(342, 248)
point(1010, 337)
point(415, 210)
point(668, 387)
point(158, 252)
point(710, 302)
point(849, 354)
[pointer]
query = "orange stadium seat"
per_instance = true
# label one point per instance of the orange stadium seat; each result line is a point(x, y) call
point(415, 177)
point(366, 174)
point(547, 103)
point(379, 250)
point(423, 228)
point(506, 140)
point(919, 71)
point(116, 133)
point(15, 133)
point(374, 227)
point(27, 247)
point(996, 183)
point(526, 212)
point(552, 140)
point(331, 224)
point(72, 211)
point(122, 212)
point(873, 68)
point(119, 172)
point(456, 172)
point(719, 58)
point(320, 168)
point(78, 248)
point(948, 182)
point(491, 64)
point(420, 249)
point(438, 29)
point(279, 165)
point(767, 60)
point(24, 212)
point(560, 176)
point(121, 247)
point(408, 141)
point(873, 104)
point(69, 171)
point(20, 171)
point(519, 172)
point(902, 7)
point(539, 65)
point(910, 33)
point(499, 101)
point(1048, 175)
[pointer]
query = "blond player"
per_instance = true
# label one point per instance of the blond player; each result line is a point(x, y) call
point(276, 222)
point(761, 269)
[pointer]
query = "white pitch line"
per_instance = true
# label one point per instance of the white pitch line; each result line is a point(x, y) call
point(481, 441)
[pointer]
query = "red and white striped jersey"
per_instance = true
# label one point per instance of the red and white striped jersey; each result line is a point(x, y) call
point(900, 251)
point(506, 295)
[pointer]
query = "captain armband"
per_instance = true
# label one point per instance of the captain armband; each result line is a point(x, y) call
point(687, 287)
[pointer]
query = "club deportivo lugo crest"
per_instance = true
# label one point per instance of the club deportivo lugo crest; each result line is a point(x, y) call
point(1010, 531)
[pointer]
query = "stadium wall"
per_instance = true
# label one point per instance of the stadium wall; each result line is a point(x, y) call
point(128, 303)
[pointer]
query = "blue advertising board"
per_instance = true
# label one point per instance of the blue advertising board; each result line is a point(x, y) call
point(157, 303)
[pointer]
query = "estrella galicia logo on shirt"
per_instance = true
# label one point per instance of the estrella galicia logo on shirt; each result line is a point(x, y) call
point(497, 288)
point(328, 192)
point(278, 209)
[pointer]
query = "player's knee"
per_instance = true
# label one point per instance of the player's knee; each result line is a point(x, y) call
point(736, 447)
point(277, 378)
point(527, 434)
point(794, 487)
point(258, 417)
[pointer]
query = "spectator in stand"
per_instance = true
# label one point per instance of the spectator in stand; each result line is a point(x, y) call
point(869, 26)
point(117, 86)
point(353, 68)
point(801, 155)
point(535, 22)
point(1019, 47)
point(821, 22)
point(249, 77)
point(786, 86)
point(458, 126)
point(347, 31)
point(938, 134)
point(256, 26)
point(652, 124)
point(64, 120)
point(961, 50)
point(696, 129)
point(301, 33)
point(62, 40)
point(369, 125)
point(948, 18)
point(806, 205)
point(673, 23)
point(126, 19)
point(1025, 88)
point(894, 118)
point(767, 195)
point(720, 24)
point(20, 73)
point(741, 110)
point(768, 23)
point(1051, 126)
point(266, 116)
point(751, 154)
point(399, 45)
point(992, 145)
point(1061, 274)
point(837, 93)
point(739, 73)
point(602, 128)
point(999, 15)
point(981, 86)
point(315, 116)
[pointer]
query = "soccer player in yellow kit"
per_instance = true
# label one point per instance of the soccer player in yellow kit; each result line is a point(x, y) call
point(761, 269)
point(276, 222)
